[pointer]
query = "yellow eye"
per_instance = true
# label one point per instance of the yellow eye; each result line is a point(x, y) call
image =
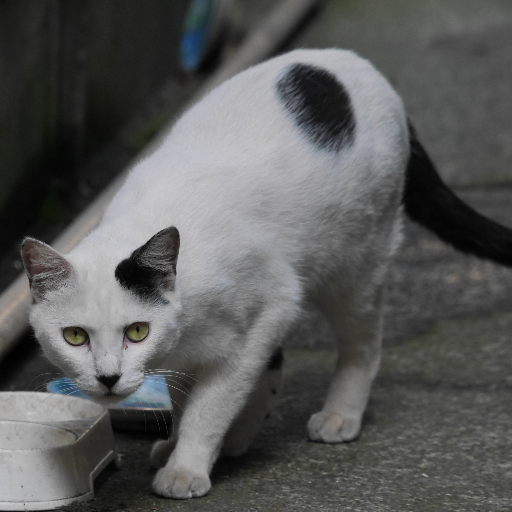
point(137, 331)
point(75, 336)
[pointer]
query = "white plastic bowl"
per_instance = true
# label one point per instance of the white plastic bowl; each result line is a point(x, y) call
point(52, 447)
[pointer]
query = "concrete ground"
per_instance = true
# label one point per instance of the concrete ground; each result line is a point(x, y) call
point(451, 61)
point(438, 430)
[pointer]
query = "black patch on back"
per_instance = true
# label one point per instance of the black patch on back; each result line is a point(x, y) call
point(276, 361)
point(151, 269)
point(320, 105)
point(141, 280)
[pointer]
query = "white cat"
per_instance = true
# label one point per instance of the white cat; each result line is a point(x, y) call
point(284, 184)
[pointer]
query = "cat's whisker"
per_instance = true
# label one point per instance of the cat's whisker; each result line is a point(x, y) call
point(31, 405)
point(72, 391)
point(181, 382)
point(54, 374)
point(181, 389)
point(80, 403)
point(178, 386)
point(44, 400)
point(175, 373)
point(53, 408)
point(154, 410)
point(69, 388)
point(144, 414)
point(184, 387)
point(184, 376)
point(161, 393)
point(40, 387)
point(169, 386)
point(163, 416)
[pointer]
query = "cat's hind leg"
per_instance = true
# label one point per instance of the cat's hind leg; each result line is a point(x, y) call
point(260, 403)
point(356, 319)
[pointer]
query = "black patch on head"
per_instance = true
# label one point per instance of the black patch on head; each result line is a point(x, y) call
point(276, 361)
point(319, 104)
point(140, 280)
point(151, 269)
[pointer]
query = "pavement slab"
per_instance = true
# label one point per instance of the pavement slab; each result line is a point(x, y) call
point(436, 436)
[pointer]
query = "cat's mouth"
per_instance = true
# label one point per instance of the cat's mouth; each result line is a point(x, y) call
point(108, 399)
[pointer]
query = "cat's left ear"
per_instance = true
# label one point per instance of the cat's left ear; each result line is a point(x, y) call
point(151, 268)
point(46, 269)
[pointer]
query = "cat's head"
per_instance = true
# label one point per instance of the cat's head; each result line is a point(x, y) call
point(103, 321)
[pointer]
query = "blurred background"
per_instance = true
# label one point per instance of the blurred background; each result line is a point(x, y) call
point(85, 85)
point(76, 76)
point(73, 74)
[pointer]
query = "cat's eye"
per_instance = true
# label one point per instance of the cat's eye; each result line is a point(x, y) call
point(75, 336)
point(137, 331)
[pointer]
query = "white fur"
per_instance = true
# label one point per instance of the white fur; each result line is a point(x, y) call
point(266, 221)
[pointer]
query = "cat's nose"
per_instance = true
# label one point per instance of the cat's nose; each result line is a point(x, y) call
point(109, 380)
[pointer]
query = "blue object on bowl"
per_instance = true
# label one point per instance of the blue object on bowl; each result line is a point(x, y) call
point(195, 39)
point(153, 394)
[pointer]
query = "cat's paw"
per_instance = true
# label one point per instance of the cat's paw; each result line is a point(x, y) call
point(327, 427)
point(180, 483)
point(160, 453)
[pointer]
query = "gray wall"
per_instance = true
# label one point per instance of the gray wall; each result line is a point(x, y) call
point(27, 88)
point(72, 73)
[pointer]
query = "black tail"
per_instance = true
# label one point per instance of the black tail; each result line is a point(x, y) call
point(430, 202)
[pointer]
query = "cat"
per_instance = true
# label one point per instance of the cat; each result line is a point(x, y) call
point(286, 184)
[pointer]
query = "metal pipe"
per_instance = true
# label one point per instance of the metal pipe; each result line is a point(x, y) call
point(264, 40)
point(261, 43)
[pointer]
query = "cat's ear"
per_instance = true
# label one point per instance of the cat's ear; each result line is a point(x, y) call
point(161, 251)
point(152, 267)
point(46, 269)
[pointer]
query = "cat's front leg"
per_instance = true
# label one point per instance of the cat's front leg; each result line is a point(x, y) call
point(223, 387)
point(213, 404)
point(219, 395)
point(181, 483)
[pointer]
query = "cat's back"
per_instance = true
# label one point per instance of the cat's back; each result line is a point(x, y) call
point(283, 134)
point(285, 143)
point(317, 91)
point(273, 125)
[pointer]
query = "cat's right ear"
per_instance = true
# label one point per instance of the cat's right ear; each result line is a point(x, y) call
point(151, 269)
point(46, 268)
